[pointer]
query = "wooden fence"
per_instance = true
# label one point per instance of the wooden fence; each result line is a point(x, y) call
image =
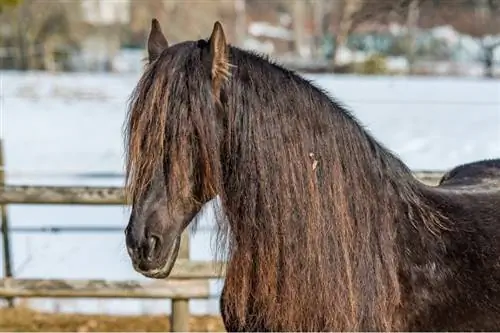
point(189, 279)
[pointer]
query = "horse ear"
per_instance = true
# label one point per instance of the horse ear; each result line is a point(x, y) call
point(156, 41)
point(219, 55)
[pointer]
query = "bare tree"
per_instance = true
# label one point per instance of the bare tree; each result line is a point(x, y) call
point(38, 29)
point(355, 13)
point(412, 23)
point(319, 25)
point(241, 23)
point(184, 19)
point(477, 18)
point(487, 23)
point(299, 17)
point(383, 12)
point(348, 9)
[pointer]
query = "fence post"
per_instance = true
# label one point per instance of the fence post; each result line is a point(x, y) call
point(7, 263)
point(179, 318)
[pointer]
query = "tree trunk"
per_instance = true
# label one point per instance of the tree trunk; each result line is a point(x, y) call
point(298, 26)
point(489, 54)
point(349, 8)
point(319, 14)
point(412, 22)
point(241, 25)
point(49, 62)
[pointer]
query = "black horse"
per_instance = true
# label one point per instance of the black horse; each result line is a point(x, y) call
point(325, 228)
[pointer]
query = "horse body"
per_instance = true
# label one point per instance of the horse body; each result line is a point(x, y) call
point(325, 229)
point(455, 284)
point(468, 266)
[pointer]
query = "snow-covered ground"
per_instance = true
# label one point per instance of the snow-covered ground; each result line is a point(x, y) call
point(59, 124)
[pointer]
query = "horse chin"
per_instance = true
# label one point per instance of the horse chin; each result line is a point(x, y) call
point(164, 271)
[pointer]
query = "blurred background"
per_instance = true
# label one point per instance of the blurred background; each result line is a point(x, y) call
point(426, 37)
point(422, 75)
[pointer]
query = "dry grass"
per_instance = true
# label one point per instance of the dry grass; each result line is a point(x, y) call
point(26, 320)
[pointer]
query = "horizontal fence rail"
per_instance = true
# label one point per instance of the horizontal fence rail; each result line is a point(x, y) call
point(62, 195)
point(57, 288)
point(55, 229)
point(186, 269)
point(95, 195)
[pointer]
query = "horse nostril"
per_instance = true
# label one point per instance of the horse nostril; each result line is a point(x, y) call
point(153, 244)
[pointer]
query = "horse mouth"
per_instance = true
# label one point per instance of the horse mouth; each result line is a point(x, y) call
point(164, 271)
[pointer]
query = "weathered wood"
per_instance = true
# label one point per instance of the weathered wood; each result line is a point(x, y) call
point(85, 195)
point(195, 289)
point(180, 306)
point(188, 269)
point(65, 195)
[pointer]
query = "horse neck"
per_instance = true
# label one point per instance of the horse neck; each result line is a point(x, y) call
point(334, 237)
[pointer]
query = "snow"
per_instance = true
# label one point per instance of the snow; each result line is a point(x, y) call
point(266, 47)
point(446, 33)
point(266, 29)
point(67, 123)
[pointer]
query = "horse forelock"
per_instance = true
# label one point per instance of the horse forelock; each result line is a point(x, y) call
point(144, 132)
point(167, 124)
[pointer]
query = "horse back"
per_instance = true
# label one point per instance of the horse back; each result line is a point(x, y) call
point(479, 174)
